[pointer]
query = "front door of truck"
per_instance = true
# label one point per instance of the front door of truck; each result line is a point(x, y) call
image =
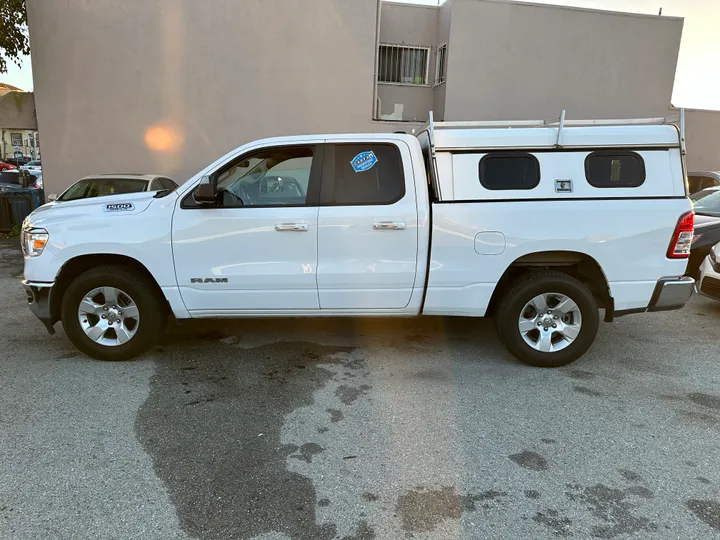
point(367, 227)
point(256, 248)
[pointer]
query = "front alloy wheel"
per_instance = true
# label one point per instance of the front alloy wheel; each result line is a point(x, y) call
point(109, 316)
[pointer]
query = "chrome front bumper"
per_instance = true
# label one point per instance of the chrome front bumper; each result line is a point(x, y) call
point(671, 293)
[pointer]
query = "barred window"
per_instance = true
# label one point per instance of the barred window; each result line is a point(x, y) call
point(403, 64)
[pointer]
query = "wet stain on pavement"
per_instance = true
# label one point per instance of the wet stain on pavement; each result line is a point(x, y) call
point(422, 510)
point(558, 525)
point(630, 476)
point(370, 497)
point(612, 507)
point(223, 461)
point(705, 400)
point(468, 502)
point(348, 394)
point(587, 391)
point(335, 415)
point(530, 460)
point(307, 451)
point(640, 491)
point(548, 441)
point(703, 480)
point(324, 502)
point(706, 511)
point(531, 494)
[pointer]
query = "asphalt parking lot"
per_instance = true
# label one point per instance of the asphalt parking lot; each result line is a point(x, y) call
point(357, 430)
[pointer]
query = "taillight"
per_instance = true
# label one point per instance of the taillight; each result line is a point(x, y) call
point(682, 237)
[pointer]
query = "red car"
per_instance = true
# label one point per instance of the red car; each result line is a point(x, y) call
point(6, 166)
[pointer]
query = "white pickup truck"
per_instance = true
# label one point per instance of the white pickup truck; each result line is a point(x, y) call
point(537, 224)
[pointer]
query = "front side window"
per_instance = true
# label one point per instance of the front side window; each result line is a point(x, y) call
point(271, 177)
point(509, 170)
point(608, 169)
point(403, 64)
point(364, 174)
point(101, 187)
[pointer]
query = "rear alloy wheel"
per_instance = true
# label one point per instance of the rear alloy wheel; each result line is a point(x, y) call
point(113, 313)
point(548, 319)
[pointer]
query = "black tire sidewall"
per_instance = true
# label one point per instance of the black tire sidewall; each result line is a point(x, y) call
point(151, 324)
point(521, 295)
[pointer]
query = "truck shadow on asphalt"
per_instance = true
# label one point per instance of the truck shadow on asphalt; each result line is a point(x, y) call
point(222, 392)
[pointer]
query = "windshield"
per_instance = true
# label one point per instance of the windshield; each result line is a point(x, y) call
point(86, 189)
point(34, 164)
point(707, 203)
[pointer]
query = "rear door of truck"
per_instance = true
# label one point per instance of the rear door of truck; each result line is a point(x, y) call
point(367, 226)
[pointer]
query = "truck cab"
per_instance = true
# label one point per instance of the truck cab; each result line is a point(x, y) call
point(537, 226)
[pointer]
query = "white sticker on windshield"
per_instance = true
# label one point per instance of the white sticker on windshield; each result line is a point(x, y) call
point(364, 161)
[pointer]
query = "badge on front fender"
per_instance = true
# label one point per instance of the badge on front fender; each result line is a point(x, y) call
point(120, 207)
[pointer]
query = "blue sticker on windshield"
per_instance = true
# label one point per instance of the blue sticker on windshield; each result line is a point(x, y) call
point(364, 161)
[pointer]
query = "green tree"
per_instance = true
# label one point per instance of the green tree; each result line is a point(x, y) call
point(14, 41)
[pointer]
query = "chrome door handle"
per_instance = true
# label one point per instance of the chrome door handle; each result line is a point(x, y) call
point(300, 227)
point(389, 225)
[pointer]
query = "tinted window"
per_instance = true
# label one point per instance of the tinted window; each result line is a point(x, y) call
point(614, 169)
point(364, 174)
point(101, 187)
point(500, 171)
point(166, 183)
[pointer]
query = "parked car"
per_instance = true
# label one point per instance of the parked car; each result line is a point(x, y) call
point(708, 283)
point(6, 166)
point(698, 181)
point(706, 204)
point(501, 223)
point(11, 177)
point(32, 165)
point(18, 161)
point(115, 184)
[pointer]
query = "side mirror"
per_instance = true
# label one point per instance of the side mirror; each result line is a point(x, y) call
point(51, 197)
point(205, 192)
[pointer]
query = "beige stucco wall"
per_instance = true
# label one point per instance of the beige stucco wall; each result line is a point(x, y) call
point(702, 135)
point(409, 24)
point(521, 61)
point(443, 36)
point(208, 80)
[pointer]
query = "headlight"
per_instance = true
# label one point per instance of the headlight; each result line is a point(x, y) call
point(34, 241)
point(714, 255)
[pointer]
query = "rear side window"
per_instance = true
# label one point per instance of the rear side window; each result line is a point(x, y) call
point(615, 169)
point(365, 174)
point(509, 170)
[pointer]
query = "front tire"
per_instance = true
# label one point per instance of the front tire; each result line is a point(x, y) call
point(548, 319)
point(112, 313)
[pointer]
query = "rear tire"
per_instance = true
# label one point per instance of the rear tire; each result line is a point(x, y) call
point(559, 333)
point(93, 319)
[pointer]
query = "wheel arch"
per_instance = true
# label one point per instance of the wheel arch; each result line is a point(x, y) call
point(574, 263)
point(72, 268)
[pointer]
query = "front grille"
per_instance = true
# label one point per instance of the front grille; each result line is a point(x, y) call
point(711, 287)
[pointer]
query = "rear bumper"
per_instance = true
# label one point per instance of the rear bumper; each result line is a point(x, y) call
point(671, 293)
point(709, 282)
point(38, 297)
